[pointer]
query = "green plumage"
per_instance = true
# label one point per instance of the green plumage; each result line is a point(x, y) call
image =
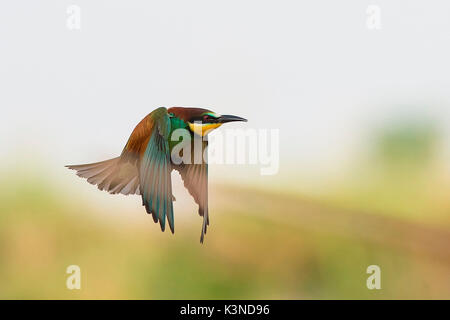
point(155, 168)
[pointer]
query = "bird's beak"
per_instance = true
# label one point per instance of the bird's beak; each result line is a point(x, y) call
point(229, 118)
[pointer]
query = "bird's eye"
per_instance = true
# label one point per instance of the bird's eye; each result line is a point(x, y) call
point(205, 118)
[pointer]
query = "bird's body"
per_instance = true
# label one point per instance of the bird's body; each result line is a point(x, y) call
point(145, 164)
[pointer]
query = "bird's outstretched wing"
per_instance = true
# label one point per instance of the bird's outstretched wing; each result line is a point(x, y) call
point(195, 177)
point(155, 168)
point(113, 175)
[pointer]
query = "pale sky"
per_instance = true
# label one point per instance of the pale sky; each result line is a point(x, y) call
point(309, 68)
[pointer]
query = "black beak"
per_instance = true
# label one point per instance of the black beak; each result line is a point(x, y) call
point(228, 118)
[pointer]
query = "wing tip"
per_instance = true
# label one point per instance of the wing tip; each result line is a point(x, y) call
point(162, 224)
point(205, 224)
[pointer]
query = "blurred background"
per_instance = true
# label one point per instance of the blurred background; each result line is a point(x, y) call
point(364, 120)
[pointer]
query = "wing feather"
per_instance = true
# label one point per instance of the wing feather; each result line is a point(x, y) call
point(113, 175)
point(154, 171)
point(195, 178)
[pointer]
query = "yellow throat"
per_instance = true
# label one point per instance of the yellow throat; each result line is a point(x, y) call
point(203, 128)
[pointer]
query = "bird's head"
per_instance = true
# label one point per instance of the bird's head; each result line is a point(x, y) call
point(202, 121)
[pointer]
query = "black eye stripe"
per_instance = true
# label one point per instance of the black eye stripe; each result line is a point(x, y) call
point(204, 118)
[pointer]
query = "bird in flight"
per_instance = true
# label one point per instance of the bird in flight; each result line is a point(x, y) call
point(146, 162)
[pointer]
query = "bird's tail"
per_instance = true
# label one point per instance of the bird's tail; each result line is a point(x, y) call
point(113, 175)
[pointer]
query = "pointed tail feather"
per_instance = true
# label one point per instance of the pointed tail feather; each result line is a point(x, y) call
point(113, 175)
point(204, 225)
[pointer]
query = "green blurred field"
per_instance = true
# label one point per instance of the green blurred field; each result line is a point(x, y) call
point(261, 245)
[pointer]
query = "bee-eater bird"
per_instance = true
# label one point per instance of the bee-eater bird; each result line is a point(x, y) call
point(145, 165)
